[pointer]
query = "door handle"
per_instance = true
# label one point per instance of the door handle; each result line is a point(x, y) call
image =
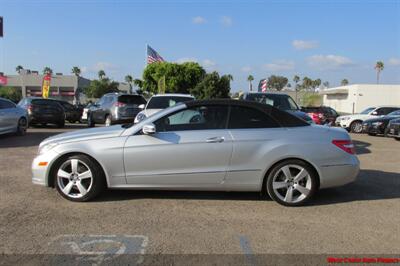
point(215, 140)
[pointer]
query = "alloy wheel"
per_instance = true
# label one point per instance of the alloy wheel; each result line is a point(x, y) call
point(292, 183)
point(74, 178)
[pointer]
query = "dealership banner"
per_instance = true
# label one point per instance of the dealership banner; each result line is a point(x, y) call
point(3, 80)
point(46, 86)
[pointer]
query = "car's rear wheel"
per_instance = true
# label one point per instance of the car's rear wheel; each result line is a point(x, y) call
point(22, 126)
point(356, 127)
point(292, 182)
point(108, 121)
point(90, 121)
point(79, 178)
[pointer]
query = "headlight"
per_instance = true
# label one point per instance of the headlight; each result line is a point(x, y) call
point(140, 117)
point(345, 118)
point(47, 147)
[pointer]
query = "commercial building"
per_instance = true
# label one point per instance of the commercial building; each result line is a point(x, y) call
point(65, 87)
point(355, 98)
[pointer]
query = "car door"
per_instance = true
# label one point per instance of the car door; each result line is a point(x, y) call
point(8, 116)
point(97, 110)
point(254, 134)
point(191, 148)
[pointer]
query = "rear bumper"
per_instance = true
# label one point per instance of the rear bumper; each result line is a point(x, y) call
point(45, 119)
point(339, 175)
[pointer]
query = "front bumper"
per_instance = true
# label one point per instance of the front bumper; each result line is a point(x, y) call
point(40, 173)
point(343, 123)
point(339, 175)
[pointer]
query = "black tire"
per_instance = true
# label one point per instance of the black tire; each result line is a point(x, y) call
point(98, 178)
point(61, 124)
point(372, 134)
point(398, 139)
point(22, 126)
point(356, 127)
point(90, 121)
point(275, 171)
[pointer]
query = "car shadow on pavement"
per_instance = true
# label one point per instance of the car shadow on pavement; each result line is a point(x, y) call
point(370, 185)
point(361, 147)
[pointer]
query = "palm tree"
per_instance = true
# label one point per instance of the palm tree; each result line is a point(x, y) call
point(230, 77)
point(316, 83)
point(76, 71)
point(344, 82)
point(307, 82)
point(101, 74)
point(326, 84)
point(296, 80)
point(47, 71)
point(129, 79)
point(19, 68)
point(250, 78)
point(138, 82)
point(378, 67)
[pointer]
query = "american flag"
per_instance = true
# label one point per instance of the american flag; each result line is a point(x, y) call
point(153, 56)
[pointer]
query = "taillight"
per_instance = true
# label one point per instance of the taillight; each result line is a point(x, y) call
point(119, 104)
point(29, 108)
point(346, 145)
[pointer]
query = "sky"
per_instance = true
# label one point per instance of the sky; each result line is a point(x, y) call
point(330, 40)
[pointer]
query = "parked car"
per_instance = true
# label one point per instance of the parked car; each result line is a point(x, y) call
point(161, 101)
point(43, 111)
point(321, 115)
point(115, 108)
point(73, 113)
point(13, 119)
point(225, 145)
point(353, 123)
point(378, 125)
point(393, 129)
point(281, 101)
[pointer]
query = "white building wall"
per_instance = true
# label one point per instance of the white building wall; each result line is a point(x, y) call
point(361, 96)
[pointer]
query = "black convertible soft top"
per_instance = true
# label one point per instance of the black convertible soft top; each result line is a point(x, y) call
point(285, 119)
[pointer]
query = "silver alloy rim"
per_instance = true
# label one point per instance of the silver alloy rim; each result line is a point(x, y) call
point(357, 127)
point(292, 183)
point(108, 121)
point(22, 125)
point(74, 178)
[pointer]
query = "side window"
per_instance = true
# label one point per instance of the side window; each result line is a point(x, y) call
point(384, 110)
point(197, 118)
point(2, 105)
point(246, 117)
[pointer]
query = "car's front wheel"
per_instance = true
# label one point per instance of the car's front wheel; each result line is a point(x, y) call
point(292, 182)
point(356, 127)
point(79, 178)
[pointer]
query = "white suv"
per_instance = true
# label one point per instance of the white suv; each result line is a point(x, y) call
point(353, 123)
point(161, 101)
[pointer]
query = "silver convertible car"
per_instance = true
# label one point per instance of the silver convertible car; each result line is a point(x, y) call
point(221, 145)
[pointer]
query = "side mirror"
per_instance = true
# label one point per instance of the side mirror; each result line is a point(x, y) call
point(141, 106)
point(149, 129)
point(374, 113)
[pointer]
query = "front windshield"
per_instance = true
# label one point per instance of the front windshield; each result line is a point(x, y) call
point(395, 113)
point(162, 102)
point(280, 101)
point(367, 111)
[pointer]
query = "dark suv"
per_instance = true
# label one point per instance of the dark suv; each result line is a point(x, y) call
point(115, 108)
point(43, 111)
point(278, 100)
point(73, 113)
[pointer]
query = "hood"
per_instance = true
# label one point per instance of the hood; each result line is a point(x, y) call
point(355, 116)
point(85, 134)
point(300, 114)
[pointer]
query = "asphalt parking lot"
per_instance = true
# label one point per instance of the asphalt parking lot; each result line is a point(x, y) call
point(360, 218)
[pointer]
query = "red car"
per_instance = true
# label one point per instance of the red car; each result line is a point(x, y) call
point(321, 115)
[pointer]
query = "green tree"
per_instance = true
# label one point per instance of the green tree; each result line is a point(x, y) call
point(179, 78)
point(76, 71)
point(98, 88)
point(344, 82)
point(250, 79)
point(19, 68)
point(101, 74)
point(307, 83)
point(47, 71)
point(379, 66)
point(296, 80)
point(277, 82)
point(326, 84)
point(311, 99)
point(129, 80)
point(212, 86)
point(10, 93)
point(316, 83)
point(138, 83)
